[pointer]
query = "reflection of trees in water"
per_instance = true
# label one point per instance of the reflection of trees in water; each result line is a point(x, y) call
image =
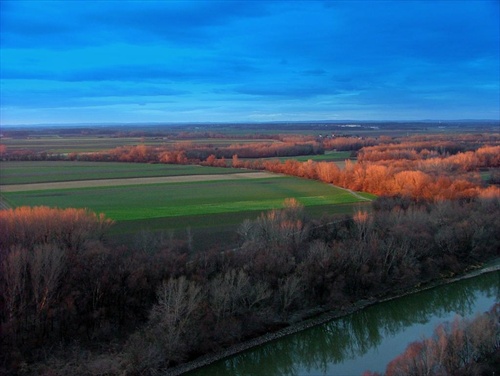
point(497, 290)
point(279, 359)
point(352, 336)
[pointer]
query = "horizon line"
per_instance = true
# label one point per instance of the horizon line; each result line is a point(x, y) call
point(312, 121)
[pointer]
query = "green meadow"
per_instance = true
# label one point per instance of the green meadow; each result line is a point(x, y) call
point(328, 156)
point(146, 201)
point(212, 210)
point(55, 171)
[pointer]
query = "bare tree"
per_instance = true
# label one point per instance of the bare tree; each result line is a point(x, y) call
point(15, 276)
point(277, 228)
point(228, 292)
point(189, 239)
point(290, 291)
point(245, 230)
point(363, 225)
point(172, 318)
point(47, 263)
point(259, 293)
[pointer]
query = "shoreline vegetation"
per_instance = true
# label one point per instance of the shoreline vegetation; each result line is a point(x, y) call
point(322, 317)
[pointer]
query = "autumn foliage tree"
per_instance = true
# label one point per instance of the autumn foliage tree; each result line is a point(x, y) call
point(461, 347)
point(67, 228)
point(443, 177)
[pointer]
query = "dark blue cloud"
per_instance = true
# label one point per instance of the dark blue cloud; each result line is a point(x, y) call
point(42, 94)
point(241, 60)
point(314, 72)
point(56, 24)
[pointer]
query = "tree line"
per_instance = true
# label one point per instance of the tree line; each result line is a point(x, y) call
point(447, 177)
point(421, 167)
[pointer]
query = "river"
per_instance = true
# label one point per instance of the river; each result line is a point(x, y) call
point(367, 339)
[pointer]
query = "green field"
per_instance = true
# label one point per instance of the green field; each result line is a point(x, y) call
point(329, 156)
point(50, 171)
point(211, 209)
point(148, 201)
point(215, 229)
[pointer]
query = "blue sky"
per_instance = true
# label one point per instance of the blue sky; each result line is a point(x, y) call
point(240, 61)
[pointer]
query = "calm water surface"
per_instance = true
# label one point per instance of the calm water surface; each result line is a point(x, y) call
point(366, 340)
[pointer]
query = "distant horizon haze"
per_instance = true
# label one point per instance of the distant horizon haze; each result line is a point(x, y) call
point(345, 122)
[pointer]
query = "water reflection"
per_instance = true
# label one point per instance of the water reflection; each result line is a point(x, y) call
point(318, 350)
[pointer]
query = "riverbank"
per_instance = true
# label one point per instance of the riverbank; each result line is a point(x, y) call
point(321, 317)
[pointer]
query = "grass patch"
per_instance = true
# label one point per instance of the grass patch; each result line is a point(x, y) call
point(56, 171)
point(329, 156)
point(213, 230)
point(485, 176)
point(213, 210)
point(332, 156)
point(187, 199)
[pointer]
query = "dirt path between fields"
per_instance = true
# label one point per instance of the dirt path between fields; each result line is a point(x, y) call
point(3, 203)
point(355, 194)
point(133, 181)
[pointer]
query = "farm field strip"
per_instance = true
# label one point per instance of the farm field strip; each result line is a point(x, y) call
point(17, 172)
point(147, 201)
point(328, 156)
point(68, 144)
point(3, 203)
point(211, 201)
point(61, 144)
point(132, 181)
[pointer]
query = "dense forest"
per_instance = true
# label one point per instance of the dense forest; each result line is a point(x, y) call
point(71, 303)
point(158, 307)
